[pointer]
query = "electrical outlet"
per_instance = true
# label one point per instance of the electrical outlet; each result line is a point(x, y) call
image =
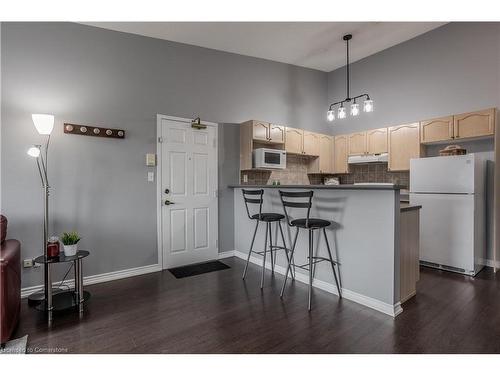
point(245, 178)
point(28, 263)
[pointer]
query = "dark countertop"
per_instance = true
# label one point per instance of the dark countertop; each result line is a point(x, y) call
point(332, 187)
point(409, 207)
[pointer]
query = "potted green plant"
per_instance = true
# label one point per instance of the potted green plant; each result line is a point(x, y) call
point(70, 242)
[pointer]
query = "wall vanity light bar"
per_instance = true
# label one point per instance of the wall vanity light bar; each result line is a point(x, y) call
point(93, 131)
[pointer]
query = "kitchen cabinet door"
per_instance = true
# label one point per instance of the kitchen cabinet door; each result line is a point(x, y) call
point(311, 143)
point(294, 141)
point(260, 131)
point(404, 144)
point(340, 154)
point(276, 134)
point(376, 141)
point(474, 124)
point(435, 130)
point(325, 154)
point(357, 143)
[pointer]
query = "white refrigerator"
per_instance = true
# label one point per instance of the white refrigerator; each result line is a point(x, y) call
point(451, 191)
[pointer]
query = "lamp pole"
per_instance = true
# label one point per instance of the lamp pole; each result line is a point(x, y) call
point(44, 124)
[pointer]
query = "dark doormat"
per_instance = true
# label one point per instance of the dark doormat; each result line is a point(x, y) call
point(198, 269)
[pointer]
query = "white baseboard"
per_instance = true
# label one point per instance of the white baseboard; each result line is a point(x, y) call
point(226, 254)
point(391, 310)
point(96, 279)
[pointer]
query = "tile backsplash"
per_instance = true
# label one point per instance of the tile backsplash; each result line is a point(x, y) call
point(296, 174)
point(374, 172)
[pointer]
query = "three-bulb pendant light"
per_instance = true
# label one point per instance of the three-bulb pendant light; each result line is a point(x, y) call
point(341, 111)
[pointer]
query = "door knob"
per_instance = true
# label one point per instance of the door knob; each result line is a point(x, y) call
point(168, 203)
point(167, 191)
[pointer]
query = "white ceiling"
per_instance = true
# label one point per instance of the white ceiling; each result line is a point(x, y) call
point(316, 45)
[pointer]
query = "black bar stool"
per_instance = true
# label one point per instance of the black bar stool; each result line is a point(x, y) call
point(311, 225)
point(256, 197)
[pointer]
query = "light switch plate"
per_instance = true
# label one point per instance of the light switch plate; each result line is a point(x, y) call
point(151, 176)
point(151, 160)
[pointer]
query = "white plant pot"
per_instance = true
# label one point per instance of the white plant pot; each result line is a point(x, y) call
point(70, 250)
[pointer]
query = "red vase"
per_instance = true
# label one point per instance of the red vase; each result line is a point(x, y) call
point(53, 247)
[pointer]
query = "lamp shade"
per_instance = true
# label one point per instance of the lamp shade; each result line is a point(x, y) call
point(34, 152)
point(43, 123)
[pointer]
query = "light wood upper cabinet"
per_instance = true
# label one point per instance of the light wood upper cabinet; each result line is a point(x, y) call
point(311, 143)
point(325, 154)
point(260, 131)
point(323, 163)
point(294, 140)
point(474, 124)
point(340, 154)
point(276, 133)
point(357, 143)
point(404, 144)
point(435, 130)
point(376, 141)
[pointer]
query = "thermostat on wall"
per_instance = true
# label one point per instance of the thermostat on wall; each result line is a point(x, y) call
point(151, 160)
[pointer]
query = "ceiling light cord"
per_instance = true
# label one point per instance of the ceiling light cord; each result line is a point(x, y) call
point(348, 71)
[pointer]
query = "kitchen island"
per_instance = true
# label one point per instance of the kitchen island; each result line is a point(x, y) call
point(366, 239)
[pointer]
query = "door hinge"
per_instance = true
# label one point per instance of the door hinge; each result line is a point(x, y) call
point(160, 139)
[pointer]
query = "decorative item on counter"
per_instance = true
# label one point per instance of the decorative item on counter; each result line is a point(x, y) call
point(331, 181)
point(70, 242)
point(53, 247)
point(93, 131)
point(452, 150)
point(276, 182)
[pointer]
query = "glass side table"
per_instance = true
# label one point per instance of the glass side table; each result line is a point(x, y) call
point(68, 299)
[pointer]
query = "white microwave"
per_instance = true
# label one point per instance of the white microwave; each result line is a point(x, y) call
point(269, 158)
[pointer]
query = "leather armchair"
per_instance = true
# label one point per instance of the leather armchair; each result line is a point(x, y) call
point(10, 283)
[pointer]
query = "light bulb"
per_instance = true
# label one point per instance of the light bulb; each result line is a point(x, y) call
point(368, 105)
point(341, 112)
point(354, 109)
point(330, 116)
point(34, 152)
point(43, 123)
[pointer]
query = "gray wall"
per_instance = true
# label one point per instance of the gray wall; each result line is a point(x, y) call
point(95, 76)
point(229, 174)
point(452, 69)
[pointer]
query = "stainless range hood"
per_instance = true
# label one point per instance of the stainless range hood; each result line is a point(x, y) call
point(362, 159)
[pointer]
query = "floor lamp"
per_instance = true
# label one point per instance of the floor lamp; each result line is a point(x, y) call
point(44, 125)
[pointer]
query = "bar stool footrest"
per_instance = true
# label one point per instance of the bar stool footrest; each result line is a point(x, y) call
point(315, 261)
point(274, 249)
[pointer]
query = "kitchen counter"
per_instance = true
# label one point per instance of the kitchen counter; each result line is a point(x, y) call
point(330, 187)
point(408, 207)
point(364, 237)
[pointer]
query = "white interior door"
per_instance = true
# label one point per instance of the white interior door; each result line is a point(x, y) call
point(188, 192)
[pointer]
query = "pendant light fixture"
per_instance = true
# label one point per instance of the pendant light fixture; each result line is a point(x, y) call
point(354, 110)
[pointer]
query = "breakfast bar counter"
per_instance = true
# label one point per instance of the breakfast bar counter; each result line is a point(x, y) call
point(365, 237)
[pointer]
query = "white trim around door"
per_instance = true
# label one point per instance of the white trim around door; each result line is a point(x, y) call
point(162, 256)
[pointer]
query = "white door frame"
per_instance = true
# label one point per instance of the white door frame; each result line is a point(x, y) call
point(159, 201)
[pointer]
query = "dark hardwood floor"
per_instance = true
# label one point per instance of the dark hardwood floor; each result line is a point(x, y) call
point(219, 313)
